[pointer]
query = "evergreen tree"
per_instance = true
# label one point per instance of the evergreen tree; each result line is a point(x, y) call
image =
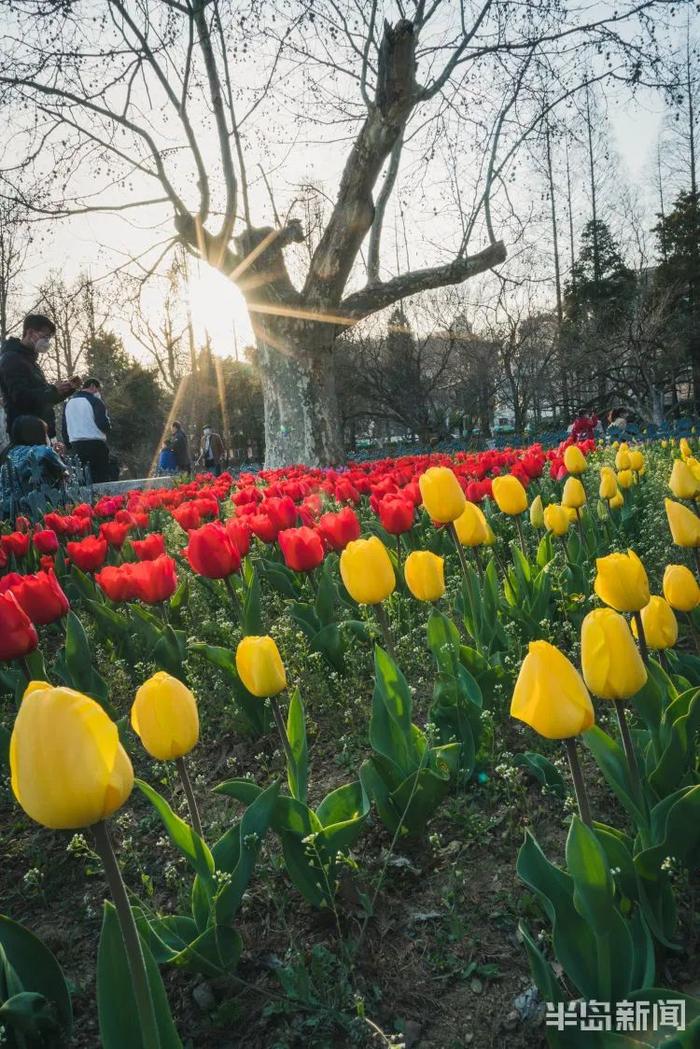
point(678, 238)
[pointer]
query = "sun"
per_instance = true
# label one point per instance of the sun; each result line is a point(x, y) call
point(219, 312)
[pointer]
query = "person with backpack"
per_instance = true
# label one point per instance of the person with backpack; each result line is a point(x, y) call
point(85, 428)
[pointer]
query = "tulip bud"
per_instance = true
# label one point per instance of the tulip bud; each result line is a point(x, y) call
point(471, 526)
point(686, 450)
point(367, 571)
point(537, 512)
point(636, 460)
point(490, 539)
point(574, 459)
point(617, 500)
point(625, 478)
point(260, 666)
point(425, 575)
point(684, 524)
point(68, 768)
point(622, 582)
point(164, 716)
point(659, 624)
point(550, 695)
point(574, 493)
point(442, 494)
point(682, 482)
point(18, 636)
point(556, 519)
point(610, 660)
point(681, 588)
point(608, 483)
point(510, 496)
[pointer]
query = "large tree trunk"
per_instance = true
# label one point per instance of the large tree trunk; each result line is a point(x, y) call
point(302, 420)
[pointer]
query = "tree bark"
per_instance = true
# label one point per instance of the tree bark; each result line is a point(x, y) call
point(302, 419)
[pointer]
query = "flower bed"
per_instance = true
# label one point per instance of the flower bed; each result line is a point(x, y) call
point(312, 673)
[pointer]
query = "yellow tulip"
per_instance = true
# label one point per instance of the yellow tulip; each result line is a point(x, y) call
point(550, 695)
point(574, 460)
point(608, 483)
point(622, 458)
point(68, 768)
point(625, 478)
point(621, 582)
point(260, 666)
point(367, 571)
point(510, 496)
point(556, 519)
point(471, 526)
point(425, 575)
point(637, 460)
point(694, 465)
point(442, 494)
point(36, 686)
point(684, 524)
point(659, 624)
point(574, 494)
point(610, 660)
point(686, 450)
point(537, 512)
point(664, 444)
point(617, 500)
point(164, 716)
point(682, 481)
point(681, 588)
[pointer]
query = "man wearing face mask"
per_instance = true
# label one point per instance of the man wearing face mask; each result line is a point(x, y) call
point(25, 390)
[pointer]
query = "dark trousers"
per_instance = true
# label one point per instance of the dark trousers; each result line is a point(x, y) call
point(95, 455)
point(213, 467)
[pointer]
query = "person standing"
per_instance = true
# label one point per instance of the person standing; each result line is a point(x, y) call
point(179, 444)
point(212, 450)
point(24, 388)
point(85, 428)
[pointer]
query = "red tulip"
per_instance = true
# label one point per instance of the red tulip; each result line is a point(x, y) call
point(281, 511)
point(18, 636)
point(115, 532)
point(46, 541)
point(22, 524)
point(10, 581)
point(47, 562)
point(118, 582)
point(339, 529)
point(16, 543)
point(41, 597)
point(154, 581)
point(345, 492)
point(211, 552)
point(187, 516)
point(263, 527)
point(396, 514)
point(301, 548)
point(150, 548)
point(207, 507)
point(239, 534)
point(89, 553)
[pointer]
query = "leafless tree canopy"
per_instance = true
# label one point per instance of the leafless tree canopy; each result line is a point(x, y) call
point(195, 118)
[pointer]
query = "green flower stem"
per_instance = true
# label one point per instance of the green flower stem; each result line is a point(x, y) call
point(132, 942)
point(477, 560)
point(696, 552)
point(519, 526)
point(190, 795)
point(642, 638)
point(281, 728)
point(584, 807)
point(460, 548)
point(629, 750)
point(398, 551)
point(383, 620)
point(233, 596)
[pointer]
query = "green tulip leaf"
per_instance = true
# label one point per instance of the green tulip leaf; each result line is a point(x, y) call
point(116, 1000)
point(298, 774)
point(186, 840)
point(27, 966)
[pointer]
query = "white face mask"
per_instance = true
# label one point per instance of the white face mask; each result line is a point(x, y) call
point(43, 344)
point(207, 433)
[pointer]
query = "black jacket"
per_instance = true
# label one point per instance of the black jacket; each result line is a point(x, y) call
point(24, 388)
point(178, 443)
